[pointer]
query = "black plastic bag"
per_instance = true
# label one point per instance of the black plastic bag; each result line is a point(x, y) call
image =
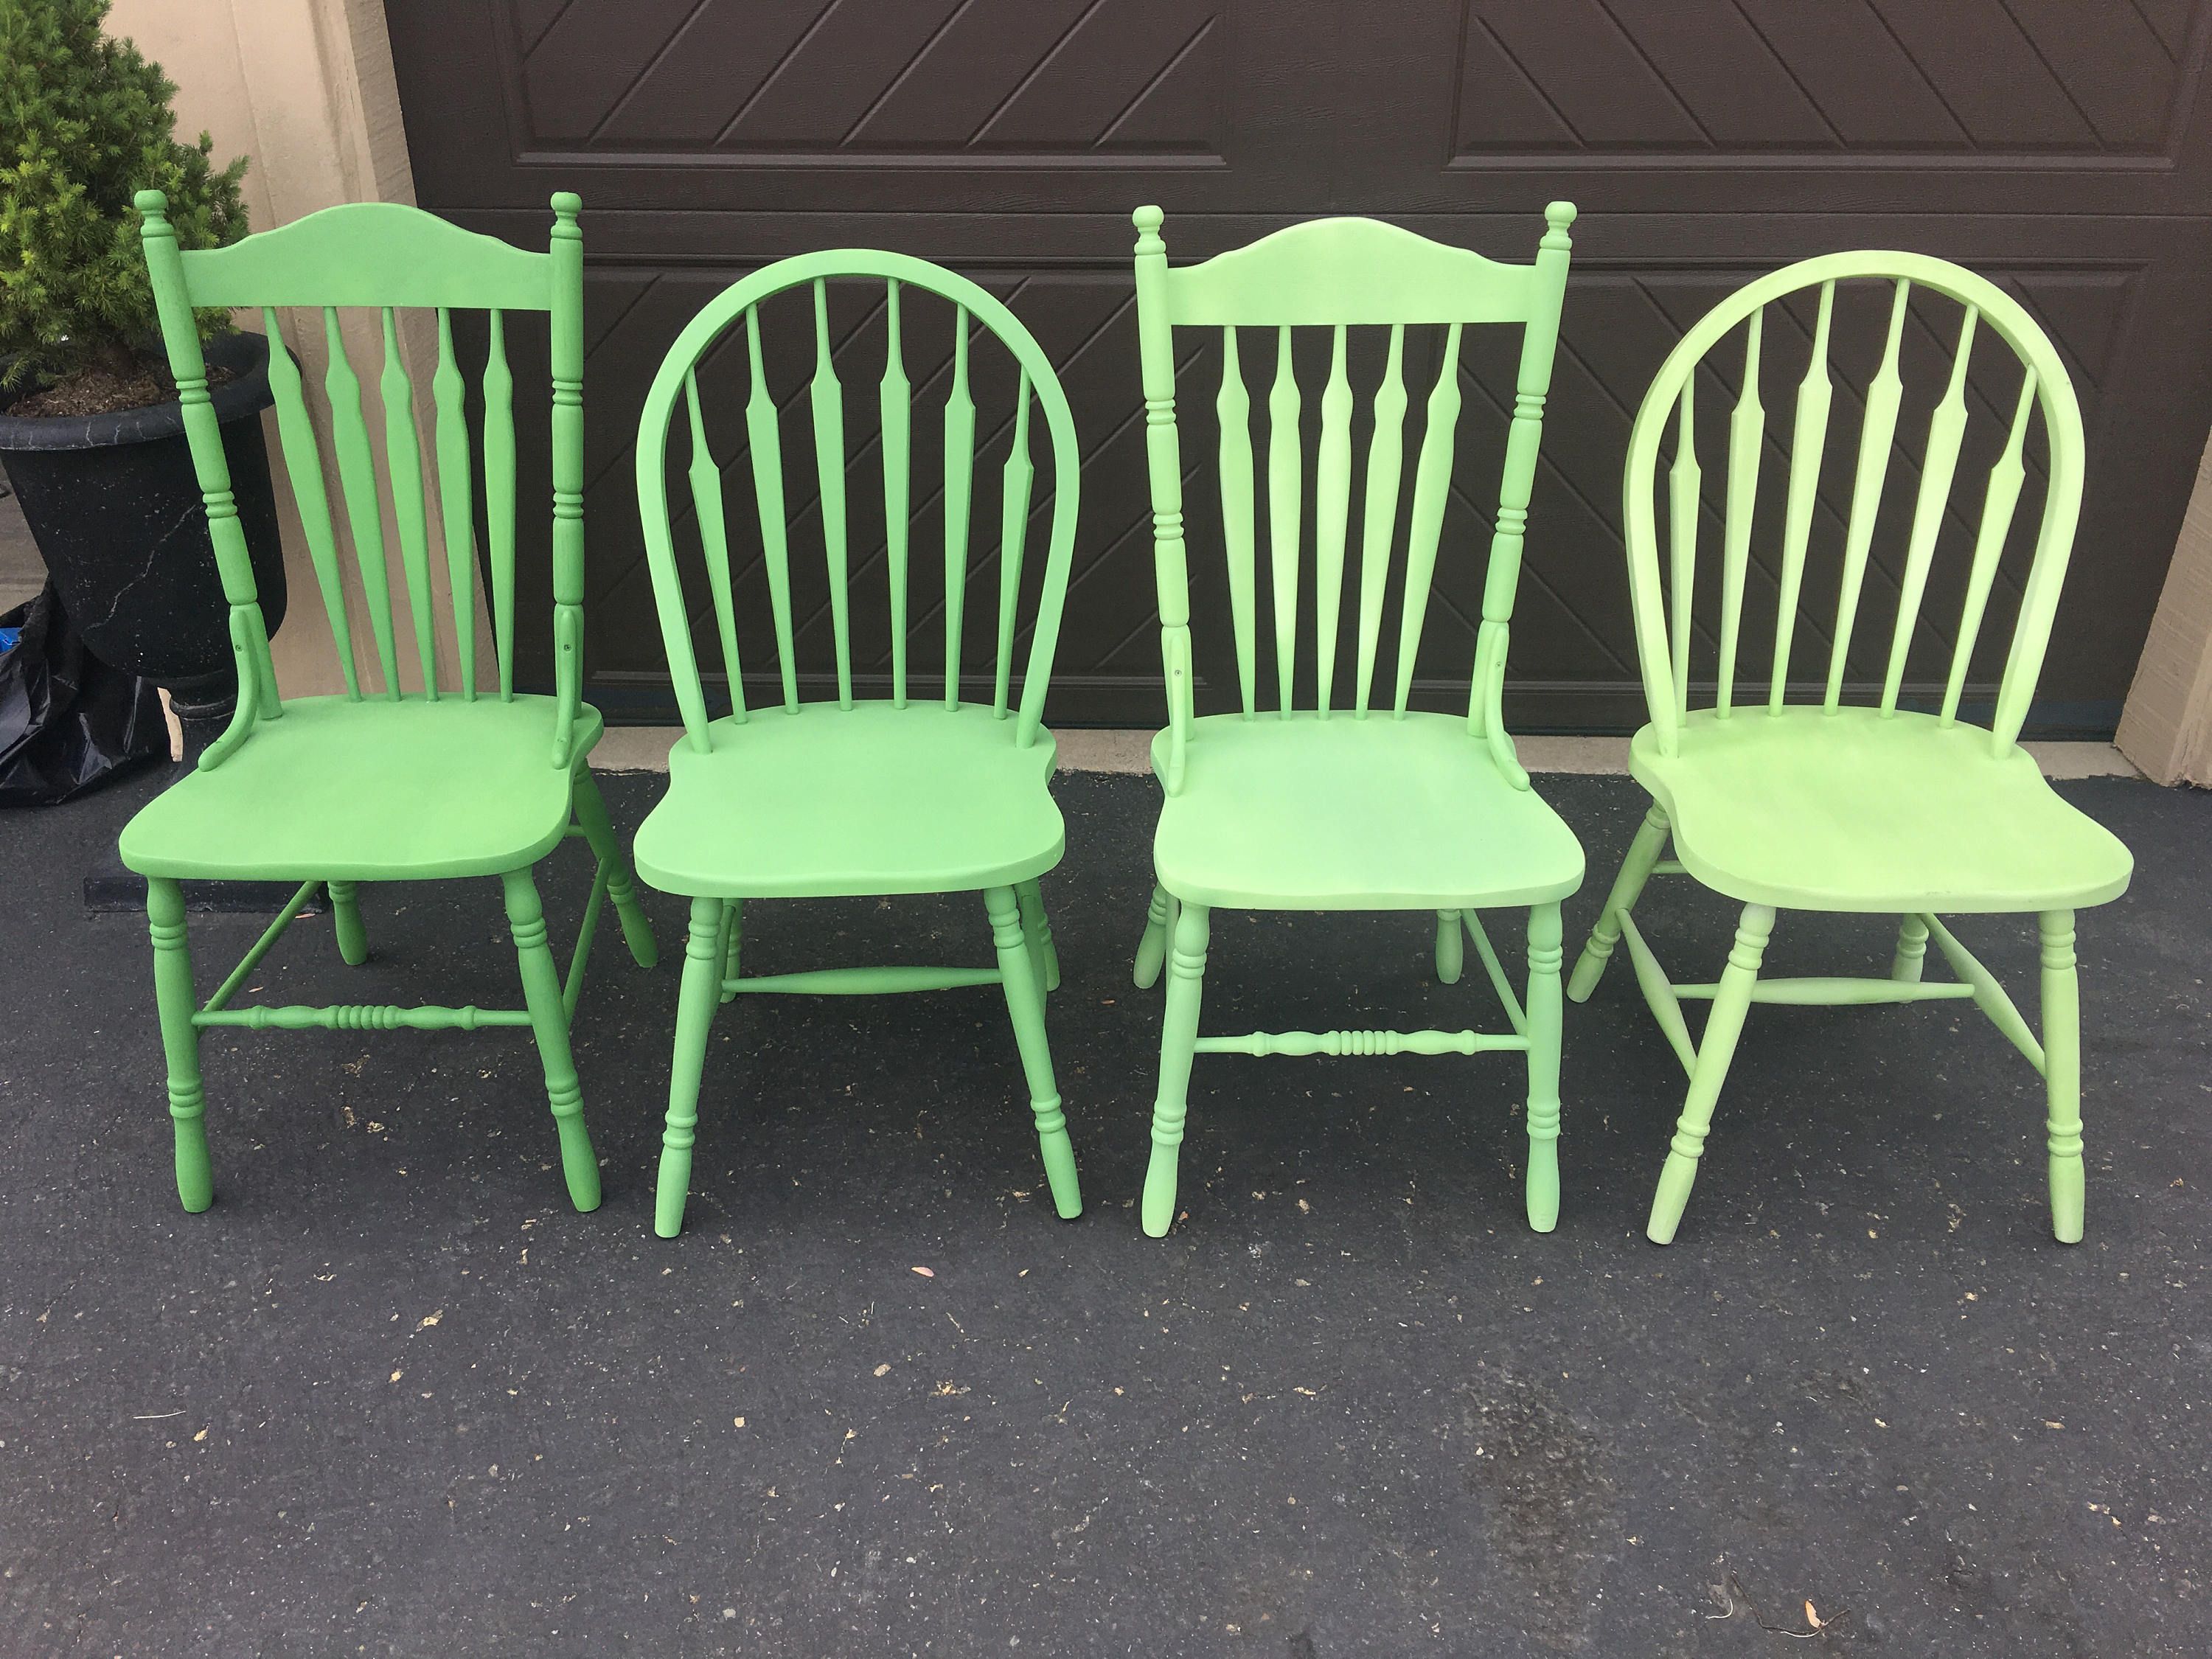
point(68, 721)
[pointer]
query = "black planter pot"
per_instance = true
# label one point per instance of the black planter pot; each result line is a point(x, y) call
point(114, 504)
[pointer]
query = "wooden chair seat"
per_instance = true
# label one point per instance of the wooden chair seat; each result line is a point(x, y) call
point(1346, 814)
point(825, 802)
point(371, 790)
point(1856, 810)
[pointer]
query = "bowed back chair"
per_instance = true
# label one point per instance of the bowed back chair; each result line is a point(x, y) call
point(1367, 807)
point(382, 783)
point(931, 784)
point(1777, 803)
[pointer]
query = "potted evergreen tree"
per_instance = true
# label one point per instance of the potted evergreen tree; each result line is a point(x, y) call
point(91, 433)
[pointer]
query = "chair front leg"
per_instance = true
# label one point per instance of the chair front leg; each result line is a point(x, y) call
point(177, 1002)
point(600, 831)
point(700, 994)
point(1544, 1023)
point(1178, 1045)
point(1021, 980)
point(2062, 1073)
point(1152, 948)
point(549, 1022)
point(1627, 887)
point(1451, 946)
point(1036, 929)
point(1911, 950)
point(1731, 1002)
point(346, 923)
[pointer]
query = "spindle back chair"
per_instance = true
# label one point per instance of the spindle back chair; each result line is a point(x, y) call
point(1837, 806)
point(1324, 807)
point(919, 791)
point(383, 782)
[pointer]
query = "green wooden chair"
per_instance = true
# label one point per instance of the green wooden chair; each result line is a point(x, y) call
point(895, 794)
point(381, 784)
point(1325, 808)
point(1838, 807)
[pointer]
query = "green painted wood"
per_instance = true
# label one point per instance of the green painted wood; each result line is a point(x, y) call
point(705, 478)
point(866, 795)
point(303, 468)
point(895, 400)
point(403, 456)
point(499, 497)
point(1684, 481)
point(1418, 812)
point(449, 391)
point(407, 785)
point(1879, 811)
point(1747, 441)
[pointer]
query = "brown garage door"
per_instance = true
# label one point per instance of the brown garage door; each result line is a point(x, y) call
point(2058, 146)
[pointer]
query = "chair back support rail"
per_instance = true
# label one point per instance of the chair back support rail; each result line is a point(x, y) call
point(1663, 625)
point(1339, 274)
point(390, 257)
point(1023, 705)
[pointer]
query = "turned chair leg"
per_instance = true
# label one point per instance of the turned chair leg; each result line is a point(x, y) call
point(1911, 950)
point(177, 1002)
point(1020, 978)
point(548, 1021)
point(2062, 1073)
point(1627, 887)
point(600, 831)
point(1451, 946)
point(732, 947)
point(1544, 1023)
point(345, 922)
point(703, 957)
point(1178, 1045)
point(1731, 1002)
point(1152, 948)
point(1037, 930)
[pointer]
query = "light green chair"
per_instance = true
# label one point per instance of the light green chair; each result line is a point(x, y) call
point(381, 784)
point(1357, 808)
point(1829, 806)
point(896, 793)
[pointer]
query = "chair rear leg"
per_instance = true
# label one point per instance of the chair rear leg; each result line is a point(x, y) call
point(1544, 1023)
point(599, 831)
point(345, 922)
point(1152, 949)
point(701, 994)
point(1037, 930)
point(180, 1039)
point(1451, 946)
point(2062, 1073)
point(1911, 950)
point(1627, 887)
point(549, 1022)
point(1021, 980)
point(1731, 1002)
point(733, 940)
point(1178, 1044)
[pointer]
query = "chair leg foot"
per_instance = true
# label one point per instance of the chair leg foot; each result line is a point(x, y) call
point(1036, 930)
point(1627, 887)
point(703, 955)
point(549, 1022)
point(1546, 1021)
point(1731, 1002)
point(1178, 1045)
point(1021, 980)
point(600, 831)
point(346, 923)
point(175, 1000)
point(2062, 1063)
point(1451, 947)
point(1152, 948)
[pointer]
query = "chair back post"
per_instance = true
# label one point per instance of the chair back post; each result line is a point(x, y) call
point(567, 323)
point(180, 336)
point(1163, 461)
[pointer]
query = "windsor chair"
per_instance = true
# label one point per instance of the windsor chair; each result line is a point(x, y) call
point(1323, 808)
point(905, 792)
point(382, 783)
point(1843, 807)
